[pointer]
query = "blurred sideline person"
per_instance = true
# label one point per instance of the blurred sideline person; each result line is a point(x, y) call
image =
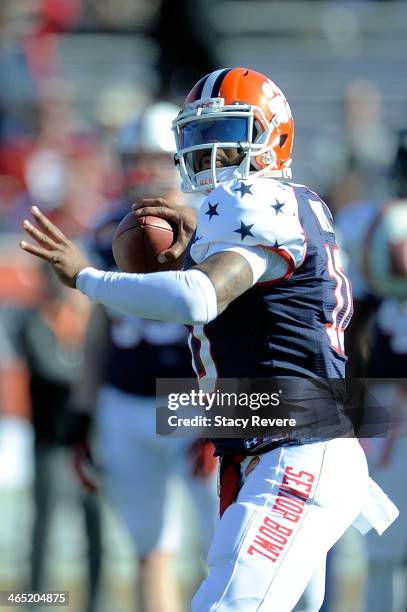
point(48, 340)
point(265, 292)
point(356, 167)
point(125, 355)
point(375, 240)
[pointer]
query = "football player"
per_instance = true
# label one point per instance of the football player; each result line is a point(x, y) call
point(265, 292)
point(125, 356)
point(375, 238)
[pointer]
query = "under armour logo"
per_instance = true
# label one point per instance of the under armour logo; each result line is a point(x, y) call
point(251, 442)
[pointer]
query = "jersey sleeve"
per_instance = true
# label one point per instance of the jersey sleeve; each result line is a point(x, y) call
point(266, 264)
point(247, 214)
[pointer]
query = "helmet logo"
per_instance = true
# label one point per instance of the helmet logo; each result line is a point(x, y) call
point(268, 89)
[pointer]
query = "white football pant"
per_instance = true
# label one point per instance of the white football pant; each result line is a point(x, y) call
point(292, 508)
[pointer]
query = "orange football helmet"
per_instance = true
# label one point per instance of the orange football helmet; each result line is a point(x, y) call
point(234, 108)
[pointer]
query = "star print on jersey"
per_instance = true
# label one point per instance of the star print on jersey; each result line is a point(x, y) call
point(244, 230)
point(243, 189)
point(278, 206)
point(212, 210)
point(248, 221)
point(196, 238)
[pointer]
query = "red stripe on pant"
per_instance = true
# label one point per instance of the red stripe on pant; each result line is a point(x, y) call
point(230, 481)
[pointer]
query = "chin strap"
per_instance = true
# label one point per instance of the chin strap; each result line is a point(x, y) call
point(284, 173)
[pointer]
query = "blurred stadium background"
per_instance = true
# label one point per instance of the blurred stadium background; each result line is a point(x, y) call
point(72, 73)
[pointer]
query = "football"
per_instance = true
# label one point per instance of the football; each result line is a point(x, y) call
point(138, 241)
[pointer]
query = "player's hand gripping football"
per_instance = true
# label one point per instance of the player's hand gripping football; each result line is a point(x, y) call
point(183, 217)
point(53, 246)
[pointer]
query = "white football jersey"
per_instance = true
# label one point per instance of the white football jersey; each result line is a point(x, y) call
point(260, 212)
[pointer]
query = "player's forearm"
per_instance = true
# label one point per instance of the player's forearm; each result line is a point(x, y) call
point(184, 297)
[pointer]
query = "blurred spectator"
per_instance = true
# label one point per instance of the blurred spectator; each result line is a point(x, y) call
point(353, 156)
point(377, 343)
point(48, 340)
point(65, 168)
point(125, 355)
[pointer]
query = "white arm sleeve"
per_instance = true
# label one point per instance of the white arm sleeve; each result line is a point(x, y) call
point(183, 297)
